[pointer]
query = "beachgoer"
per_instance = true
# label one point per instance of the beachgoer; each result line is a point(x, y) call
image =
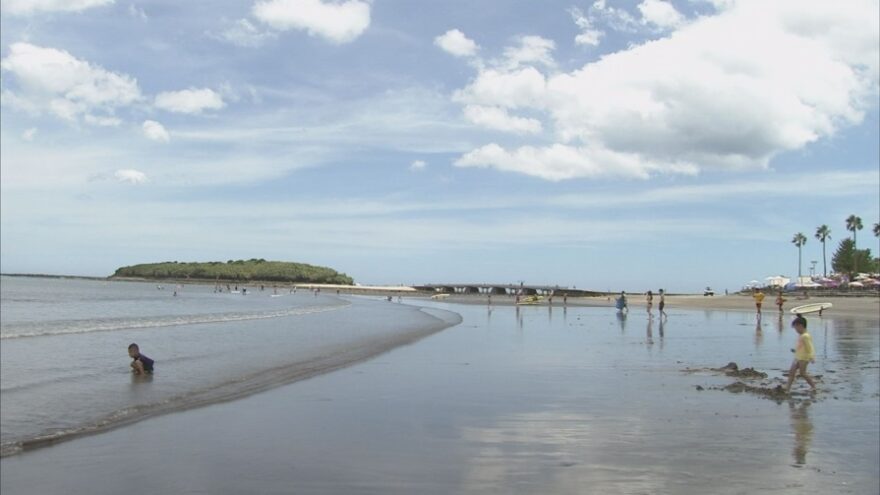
point(779, 301)
point(140, 364)
point(804, 353)
point(565, 299)
point(621, 302)
point(662, 302)
point(759, 299)
point(650, 300)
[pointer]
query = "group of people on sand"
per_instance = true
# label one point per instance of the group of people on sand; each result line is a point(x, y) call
point(759, 296)
point(622, 306)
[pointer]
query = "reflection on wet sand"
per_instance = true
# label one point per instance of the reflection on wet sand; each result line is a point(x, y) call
point(803, 431)
point(759, 335)
point(621, 319)
point(649, 335)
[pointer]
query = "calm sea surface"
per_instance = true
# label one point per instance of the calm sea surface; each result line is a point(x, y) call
point(510, 401)
point(65, 367)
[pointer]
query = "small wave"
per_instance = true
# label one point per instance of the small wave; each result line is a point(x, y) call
point(242, 386)
point(89, 326)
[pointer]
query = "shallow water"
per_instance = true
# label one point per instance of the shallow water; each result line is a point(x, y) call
point(65, 367)
point(519, 401)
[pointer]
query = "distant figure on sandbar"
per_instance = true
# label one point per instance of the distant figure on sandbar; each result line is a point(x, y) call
point(662, 303)
point(804, 353)
point(759, 300)
point(140, 364)
point(621, 303)
point(780, 301)
point(650, 301)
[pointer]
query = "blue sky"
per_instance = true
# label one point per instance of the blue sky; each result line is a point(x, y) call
point(598, 144)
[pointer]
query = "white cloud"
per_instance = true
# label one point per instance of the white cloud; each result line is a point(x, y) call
point(29, 134)
point(418, 165)
point(26, 7)
point(338, 22)
point(704, 97)
point(130, 176)
point(522, 88)
point(244, 33)
point(617, 19)
point(498, 118)
point(137, 12)
point(589, 34)
point(155, 131)
point(191, 101)
point(532, 50)
point(661, 14)
point(456, 43)
point(54, 81)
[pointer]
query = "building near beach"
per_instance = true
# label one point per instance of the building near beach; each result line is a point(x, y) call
point(777, 281)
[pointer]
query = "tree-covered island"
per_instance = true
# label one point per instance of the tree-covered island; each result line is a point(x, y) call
point(239, 271)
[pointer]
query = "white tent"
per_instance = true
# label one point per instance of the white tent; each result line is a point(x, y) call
point(777, 281)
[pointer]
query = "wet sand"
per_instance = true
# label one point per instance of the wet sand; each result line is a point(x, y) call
point(867, 307)
point(520, 400)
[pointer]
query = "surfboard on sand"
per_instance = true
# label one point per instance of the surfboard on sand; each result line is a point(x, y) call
point(810, 308)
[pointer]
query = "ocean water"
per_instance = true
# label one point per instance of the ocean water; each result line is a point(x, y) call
point(517, 401)
point(64, 367)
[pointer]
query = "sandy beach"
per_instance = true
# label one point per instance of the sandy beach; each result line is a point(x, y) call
point(520, 400)
point(844, 307)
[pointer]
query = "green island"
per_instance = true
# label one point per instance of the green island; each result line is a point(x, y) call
point(238, 270)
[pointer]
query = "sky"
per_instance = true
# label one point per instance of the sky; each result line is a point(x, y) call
point(606, 145)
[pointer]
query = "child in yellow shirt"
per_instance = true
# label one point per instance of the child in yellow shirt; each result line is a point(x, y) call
point(804, 353)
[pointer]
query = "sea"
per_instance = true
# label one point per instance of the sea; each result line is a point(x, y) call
point(64, 364)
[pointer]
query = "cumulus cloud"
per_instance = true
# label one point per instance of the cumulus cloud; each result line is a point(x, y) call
point(418, 165)
point(130, 176)
point(531, 50)
point(26, 7)
point(703, 97)
point(661, 14)
point(54, 81)
point(338, 22)
point(499, 119)
point(190, 101)
point(155, 131)
point(589, 35)
point(456, 43)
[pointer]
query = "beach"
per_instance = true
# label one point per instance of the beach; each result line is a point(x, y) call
point(867, 307)
point(519, 400)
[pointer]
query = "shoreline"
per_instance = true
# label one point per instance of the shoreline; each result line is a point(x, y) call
point(865, 306)
point(862, 308)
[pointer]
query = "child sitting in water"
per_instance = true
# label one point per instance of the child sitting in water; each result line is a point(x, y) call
point(141, 364)
point(803, 353)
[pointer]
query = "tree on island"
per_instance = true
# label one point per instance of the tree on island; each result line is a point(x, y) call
point(799, 240)
point(823, 233)
point(237, 270)
point(847, 259)
point(854, 224)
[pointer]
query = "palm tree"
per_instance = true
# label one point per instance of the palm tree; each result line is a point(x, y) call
point(799, 240)
point(877, 234)
point(823, 233)
point(853, 224)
